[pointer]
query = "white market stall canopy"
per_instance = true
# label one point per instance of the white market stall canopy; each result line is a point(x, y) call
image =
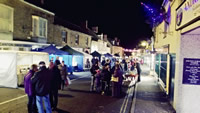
point(13, 64)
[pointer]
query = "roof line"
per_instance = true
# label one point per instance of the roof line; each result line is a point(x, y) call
point(32, 5)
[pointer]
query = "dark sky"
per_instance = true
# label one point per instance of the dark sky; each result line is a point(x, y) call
point(124, 19)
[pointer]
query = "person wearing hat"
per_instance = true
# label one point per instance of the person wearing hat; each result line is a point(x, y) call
point(41, 84)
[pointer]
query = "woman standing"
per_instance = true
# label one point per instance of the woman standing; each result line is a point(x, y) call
point(29, 90)
point(116, 81)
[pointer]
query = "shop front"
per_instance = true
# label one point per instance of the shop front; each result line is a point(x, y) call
point(188, 70)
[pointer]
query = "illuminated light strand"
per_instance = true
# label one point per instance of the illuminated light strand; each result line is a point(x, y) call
point(154, 16)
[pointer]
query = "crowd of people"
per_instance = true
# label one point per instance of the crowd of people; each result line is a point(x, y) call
point(106, 74)
point(42, 85)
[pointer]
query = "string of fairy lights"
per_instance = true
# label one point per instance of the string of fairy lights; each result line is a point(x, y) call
point(155, 16)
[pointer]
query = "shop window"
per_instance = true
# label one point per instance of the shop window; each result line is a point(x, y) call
point(64, 36)
point(39, 26)
point(77, 39)
point(6, 18)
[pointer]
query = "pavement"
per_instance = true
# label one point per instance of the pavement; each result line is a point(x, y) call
point(148, 96)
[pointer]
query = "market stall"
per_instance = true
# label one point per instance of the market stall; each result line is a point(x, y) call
point(77, 58)
point(15, 64)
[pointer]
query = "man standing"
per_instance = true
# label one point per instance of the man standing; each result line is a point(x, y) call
point(29, 89)
point(41, 83)
point(55, 84)
point(93, 71)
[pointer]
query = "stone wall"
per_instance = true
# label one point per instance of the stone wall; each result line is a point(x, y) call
point(23, 12)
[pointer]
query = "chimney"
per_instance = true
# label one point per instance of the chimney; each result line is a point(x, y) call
point(84, 24)
point(95, 29)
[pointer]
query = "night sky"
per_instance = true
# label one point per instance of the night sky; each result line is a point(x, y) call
point(125, 19)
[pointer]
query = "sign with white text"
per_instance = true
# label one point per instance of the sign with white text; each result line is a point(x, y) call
point(191, 71)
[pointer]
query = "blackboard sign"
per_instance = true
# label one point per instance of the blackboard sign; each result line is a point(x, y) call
point(191, 71)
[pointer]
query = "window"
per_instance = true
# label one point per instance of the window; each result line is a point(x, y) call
point(39, 26)
point(64, 36)
point(77, 39)
point(87, 41)
point(6, 18)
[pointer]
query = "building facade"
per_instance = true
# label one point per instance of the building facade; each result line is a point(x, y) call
point(75, 39)
point(101, 45)
point(22, 21)
point(177, 59)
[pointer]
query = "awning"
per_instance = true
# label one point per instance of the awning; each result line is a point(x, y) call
point(96, 54)
point(53, 50)
point(71, 51)
point(107, 55)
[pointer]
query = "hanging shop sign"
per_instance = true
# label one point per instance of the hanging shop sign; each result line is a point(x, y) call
point(187, 13)
point(191, 71)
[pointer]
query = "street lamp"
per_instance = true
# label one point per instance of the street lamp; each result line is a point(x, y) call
point(143, 43)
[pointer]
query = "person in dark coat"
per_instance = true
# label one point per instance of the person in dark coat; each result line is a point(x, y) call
point(116, 85)
point(103, 62)
point(41, 83)
point(137, 66)
point(93, 71)
point(29, 89)
point(105, 79)
point(64, 74)
point(113, 68)
point(55, 85)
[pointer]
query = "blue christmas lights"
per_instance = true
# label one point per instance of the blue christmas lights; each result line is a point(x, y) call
point(154, 16)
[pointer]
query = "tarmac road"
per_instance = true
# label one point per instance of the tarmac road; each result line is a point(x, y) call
point(76, 98)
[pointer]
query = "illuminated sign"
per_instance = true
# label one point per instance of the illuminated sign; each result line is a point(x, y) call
point(187, 13)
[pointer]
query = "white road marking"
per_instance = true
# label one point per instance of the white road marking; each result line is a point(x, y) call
point(26, 95)
point(12, 99)
point(124, 101)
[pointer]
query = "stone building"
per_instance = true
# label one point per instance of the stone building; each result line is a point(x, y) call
point(66, 33)
point(22, 21)
point(177, 56)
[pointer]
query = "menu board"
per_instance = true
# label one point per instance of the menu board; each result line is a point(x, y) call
point(191, 71)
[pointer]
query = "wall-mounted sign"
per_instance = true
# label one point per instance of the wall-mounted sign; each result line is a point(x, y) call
point(191, 71)
point(187, 13)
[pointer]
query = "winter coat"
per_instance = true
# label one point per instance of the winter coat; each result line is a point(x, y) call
point(64, 72)
point(56, 78)
point(27, 83)
point(118, 73)
point(93, 69)
point(41, 81)
point(105, 75)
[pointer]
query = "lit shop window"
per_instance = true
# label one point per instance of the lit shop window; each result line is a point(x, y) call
point(39, 26)
point(6, 18)
point(64, 36)
point(77, 39)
